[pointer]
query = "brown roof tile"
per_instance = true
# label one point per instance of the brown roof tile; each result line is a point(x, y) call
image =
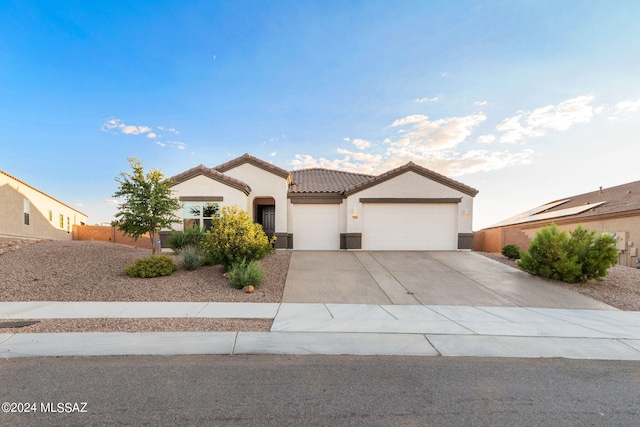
point(246, 158)
point(427, 173)
point(210, 173)
point(318, 180)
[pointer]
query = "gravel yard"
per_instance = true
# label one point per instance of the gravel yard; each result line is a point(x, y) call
point(620, 288)
point(33, 270)
point(92, 271)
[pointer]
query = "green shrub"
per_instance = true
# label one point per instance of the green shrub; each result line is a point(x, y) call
point(234, 238)
point(511, 251)
point(574, 259)
point(244, 274)
point(595, 255)
point(190, 236)
point(152, 266)
point(190, 257)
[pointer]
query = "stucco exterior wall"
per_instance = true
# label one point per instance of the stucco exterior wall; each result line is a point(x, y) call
point(409, 185)
point(264, 184)
point(207, 187)
point(44, 212)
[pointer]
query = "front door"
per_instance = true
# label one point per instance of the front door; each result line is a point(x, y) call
point(268, 219)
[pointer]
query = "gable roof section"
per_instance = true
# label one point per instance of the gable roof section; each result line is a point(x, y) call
point(316, 181)
point(412, 167)
point(212, 174)
point(39, 191)
point(615, 201)
point(246, 158)
point(319, 180)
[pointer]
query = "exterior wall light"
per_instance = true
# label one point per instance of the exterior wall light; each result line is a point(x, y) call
point(354, 214)
point(465, 213)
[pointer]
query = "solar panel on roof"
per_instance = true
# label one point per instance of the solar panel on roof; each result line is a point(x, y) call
point(528, 216)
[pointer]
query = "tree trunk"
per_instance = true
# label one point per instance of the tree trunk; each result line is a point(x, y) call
point(152, 236)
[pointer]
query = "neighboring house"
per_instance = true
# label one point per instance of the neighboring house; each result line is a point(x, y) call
point(408, 208)
point(614, 210)
point(27, 212)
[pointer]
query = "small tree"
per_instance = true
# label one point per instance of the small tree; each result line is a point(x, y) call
point(148, 204)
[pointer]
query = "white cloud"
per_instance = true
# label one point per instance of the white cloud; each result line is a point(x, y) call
point(273, 154)
point(176, 144)
point(628, 106)
point(134, 130)
point(426, 135)
point(430, 143)
point(117, 125)
point(409, 119)
point(361, 143)
point(486, 139)
point(559, 117)
point(172, 130)
point(453, 164)
point(423, 100)
point(124, 128)
point(480, 103)
point(111, 202)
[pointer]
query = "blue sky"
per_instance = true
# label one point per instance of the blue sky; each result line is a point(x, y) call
point(527, 101)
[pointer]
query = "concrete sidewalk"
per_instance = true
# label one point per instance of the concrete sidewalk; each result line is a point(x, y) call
point(358, 329)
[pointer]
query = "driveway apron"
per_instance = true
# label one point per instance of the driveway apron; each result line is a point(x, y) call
point(427, 278)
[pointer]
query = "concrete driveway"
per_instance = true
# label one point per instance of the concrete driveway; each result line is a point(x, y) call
point(427, 278)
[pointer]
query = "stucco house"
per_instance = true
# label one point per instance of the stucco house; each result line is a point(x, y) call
point(407, 208)
point(27, 212)
point(614, 210)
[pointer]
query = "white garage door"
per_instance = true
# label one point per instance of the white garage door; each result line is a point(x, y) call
point(316, 227)
point(409, 226)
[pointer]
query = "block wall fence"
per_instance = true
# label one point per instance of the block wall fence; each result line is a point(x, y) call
point(102, 233)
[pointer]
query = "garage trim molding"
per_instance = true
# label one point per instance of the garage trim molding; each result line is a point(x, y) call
point(410, 200)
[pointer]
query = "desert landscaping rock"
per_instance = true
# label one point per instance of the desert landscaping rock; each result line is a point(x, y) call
point(33, 270)
point(92, 271)
point(143, 325)
point(620, 288)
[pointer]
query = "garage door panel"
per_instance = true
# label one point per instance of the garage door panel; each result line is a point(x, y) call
point(409, 226)
point(316, 227)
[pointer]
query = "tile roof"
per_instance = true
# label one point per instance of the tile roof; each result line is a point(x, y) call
point(213, 174)
point(616, 200)
point(428, 173)
point(246, 158)
point(318, 180)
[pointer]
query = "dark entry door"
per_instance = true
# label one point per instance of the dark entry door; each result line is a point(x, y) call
point(268, 218)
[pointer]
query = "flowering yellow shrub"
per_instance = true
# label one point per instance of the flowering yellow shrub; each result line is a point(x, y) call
point(235, 238)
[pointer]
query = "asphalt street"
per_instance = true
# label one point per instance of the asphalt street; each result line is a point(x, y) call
point(319, 390)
